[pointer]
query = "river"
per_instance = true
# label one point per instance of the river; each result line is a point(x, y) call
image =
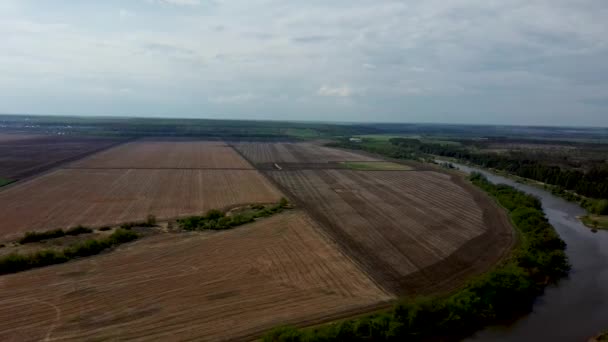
point(577, 308)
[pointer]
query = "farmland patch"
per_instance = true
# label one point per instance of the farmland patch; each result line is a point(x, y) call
point(199, 286)
point(260, 153)
point(416, 232)
point(167, 155)
point(98, 197)
point(21, 158)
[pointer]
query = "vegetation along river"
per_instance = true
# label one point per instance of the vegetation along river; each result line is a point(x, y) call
point(577, 308)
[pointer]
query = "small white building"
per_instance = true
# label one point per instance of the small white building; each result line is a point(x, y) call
point(355, 140)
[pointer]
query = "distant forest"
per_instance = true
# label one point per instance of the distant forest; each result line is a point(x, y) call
point(593, 183)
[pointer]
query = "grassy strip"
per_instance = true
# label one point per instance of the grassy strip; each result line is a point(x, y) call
point(218, 220)
point(30, 237)
point(4, 181)
point(376, 166)
point(501, 294)
point(14, 263)
point(595, 222)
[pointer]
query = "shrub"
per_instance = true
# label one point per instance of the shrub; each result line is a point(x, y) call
point(30, 237)
point(151, 221)
point(13, 263)
point(216, 220)
point(78, 230)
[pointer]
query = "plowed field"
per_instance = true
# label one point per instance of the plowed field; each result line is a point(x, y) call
point(413, 231)
point(97, 197)
point(219, 286)
point(4, 137)
point(260, 153)
point(167, 155)
point(23, 156)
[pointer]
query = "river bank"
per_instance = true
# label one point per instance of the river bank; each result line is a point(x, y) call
point(577, 308)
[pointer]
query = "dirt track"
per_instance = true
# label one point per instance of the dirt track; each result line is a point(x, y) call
point(218, 286)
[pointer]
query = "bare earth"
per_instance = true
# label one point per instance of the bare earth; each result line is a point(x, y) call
point(4, 137)
point(206, 287)
point(167, 155)
point(98, 197)
point(22, 158)
point(260, 153)
point(415, 232)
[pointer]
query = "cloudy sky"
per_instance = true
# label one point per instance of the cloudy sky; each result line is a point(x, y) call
point(456, 61)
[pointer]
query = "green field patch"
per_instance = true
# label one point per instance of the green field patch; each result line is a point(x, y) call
point(4, 181)
point(595, 221)
point(376, 166)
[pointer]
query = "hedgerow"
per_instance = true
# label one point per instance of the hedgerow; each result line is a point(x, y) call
point(218, 220)
point(15, 262)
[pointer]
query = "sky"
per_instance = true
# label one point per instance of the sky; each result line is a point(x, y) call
point(528, 62)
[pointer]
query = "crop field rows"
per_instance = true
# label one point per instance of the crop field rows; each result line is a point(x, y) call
point(359, 237)
point(66, 198)
point(225, 286)
point(260, 153)
point(168, 179)
point(415, 232)
point(167, 155)
point(394, 223)
point(23, 156)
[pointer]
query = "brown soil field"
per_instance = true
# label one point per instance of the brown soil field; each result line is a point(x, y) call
point(260, 153)
point(98, 197)
point(167, 155)
point(21, 158)
point(5, 137)
point(415, 232)
point(230, 285)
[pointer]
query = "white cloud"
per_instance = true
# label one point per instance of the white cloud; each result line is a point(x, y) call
point(236, 98)
point(429, 57)
point(124, 14)
point(177, 2)
point(339, 91)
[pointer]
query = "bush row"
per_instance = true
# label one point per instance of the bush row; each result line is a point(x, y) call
point(501, 294)
point(13, 263)
point(30, 237)
point(218, 220)
point(149, 222)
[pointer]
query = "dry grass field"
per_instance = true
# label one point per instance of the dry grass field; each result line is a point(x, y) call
point(167, 155)
point(261, 153)
point(413, 231)
point(98, 197)
point(229, 285)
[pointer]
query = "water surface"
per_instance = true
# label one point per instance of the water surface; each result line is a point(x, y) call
point(577, 308)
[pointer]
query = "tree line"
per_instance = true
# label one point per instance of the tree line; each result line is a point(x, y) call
point(501, 294)
point(592, 183)
point(16, 262)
